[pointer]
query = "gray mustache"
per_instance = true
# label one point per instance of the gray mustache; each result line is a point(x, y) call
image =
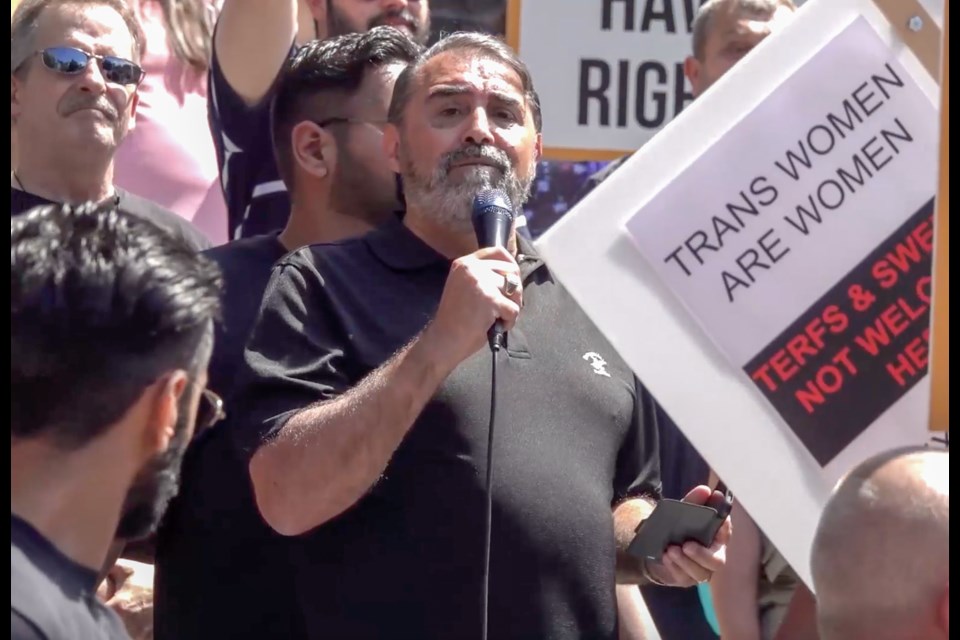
point(487, 152)
point(79, 101)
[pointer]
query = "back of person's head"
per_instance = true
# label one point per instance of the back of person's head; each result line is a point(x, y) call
point(102, 305)
point(881, 551)
point(318, 85)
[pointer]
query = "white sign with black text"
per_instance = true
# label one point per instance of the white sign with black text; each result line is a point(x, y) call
point(763, 264)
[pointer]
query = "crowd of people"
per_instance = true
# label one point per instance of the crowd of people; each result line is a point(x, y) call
point(250, 380)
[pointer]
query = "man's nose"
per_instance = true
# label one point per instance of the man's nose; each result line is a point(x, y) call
point(91, 78)
point(478, 130)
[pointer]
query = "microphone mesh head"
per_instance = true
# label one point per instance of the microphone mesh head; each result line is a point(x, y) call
point(492, 198)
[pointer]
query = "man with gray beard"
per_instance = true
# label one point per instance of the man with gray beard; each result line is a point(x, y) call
point(365, 399)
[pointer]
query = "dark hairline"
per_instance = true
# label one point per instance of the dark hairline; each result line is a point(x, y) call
point(280, 130)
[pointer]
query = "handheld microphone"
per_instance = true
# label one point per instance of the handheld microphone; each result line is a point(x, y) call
point(492, 220)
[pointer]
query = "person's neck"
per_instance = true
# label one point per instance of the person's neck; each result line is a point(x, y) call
point(318, 223)
point(73, 499)
point(66, 182)
point(443, 240)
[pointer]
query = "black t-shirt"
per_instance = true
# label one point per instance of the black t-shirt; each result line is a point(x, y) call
point(51, 596)
point(575, 433)
point(676, 612)
point(221, 572)
point(257, 199)
point(246, 266)
point(22, 201)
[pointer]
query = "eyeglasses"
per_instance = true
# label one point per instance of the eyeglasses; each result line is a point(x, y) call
point(70, 61)
point(341, 120)
point(210, 411)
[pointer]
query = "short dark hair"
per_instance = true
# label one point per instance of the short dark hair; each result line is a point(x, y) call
point(479, 44)
point(332, 69)
point(102, 304)
point(23, 26)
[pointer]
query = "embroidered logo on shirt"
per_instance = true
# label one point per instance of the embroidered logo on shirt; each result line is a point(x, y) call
point(597, 362)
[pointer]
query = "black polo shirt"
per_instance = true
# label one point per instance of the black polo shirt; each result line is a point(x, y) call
point(22, 201)
point(221, 572)
point(575, 434)
point(676, 612)
point(51, 596)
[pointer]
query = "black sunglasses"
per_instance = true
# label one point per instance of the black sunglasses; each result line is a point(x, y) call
point(210, 411)
point(70, 61)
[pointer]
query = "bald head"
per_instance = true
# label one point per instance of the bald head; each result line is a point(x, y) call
point(880, 554)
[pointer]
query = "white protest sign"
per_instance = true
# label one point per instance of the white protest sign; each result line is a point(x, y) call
point(609, 72)
point(763, 263)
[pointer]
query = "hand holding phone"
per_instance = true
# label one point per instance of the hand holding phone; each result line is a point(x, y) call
point(674, 522)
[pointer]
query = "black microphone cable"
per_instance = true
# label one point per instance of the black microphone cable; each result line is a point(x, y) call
point(488, 519)
point(493, 219)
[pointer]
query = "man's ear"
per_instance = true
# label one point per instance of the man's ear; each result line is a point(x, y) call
point(391, 146)
point(538, 149)
point(15, 106)
point(314, 149)
point(311, 20)
point(164, 411)
point(692, 70)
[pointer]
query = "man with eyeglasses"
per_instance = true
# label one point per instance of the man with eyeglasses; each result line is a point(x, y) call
point(243, 80)
point(74, 75)
point(111, 331)
point(220, 571)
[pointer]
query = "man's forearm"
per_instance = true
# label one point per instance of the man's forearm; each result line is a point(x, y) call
point(272, 24)
point(626, 518)
point(326, 457)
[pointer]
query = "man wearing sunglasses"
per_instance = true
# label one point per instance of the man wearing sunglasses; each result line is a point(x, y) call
point(242, 81)
point(220, 571)
point(74, 75)
point(111, 332)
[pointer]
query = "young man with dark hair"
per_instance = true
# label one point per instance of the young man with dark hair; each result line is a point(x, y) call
point(365, 399)
point(74, 75)
point(111, 331)
point(330, 107)
point(242, 84)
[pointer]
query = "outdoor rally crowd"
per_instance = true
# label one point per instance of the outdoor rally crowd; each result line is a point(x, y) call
point(250, 375)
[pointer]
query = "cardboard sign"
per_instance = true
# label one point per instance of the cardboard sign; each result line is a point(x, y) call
point(763, 264)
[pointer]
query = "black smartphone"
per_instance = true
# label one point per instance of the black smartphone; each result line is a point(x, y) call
point(675, 522)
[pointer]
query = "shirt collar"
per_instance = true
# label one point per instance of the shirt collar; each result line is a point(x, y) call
point(527, 257)
point(399, 248)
